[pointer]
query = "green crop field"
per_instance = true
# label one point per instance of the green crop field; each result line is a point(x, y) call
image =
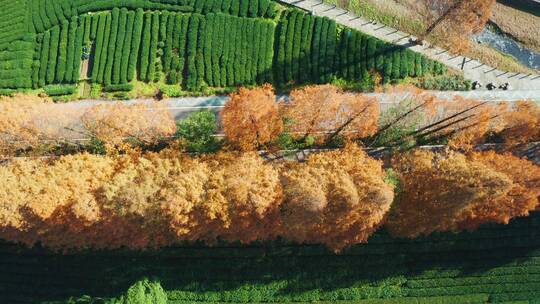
point(190, 43)
point(496, 264)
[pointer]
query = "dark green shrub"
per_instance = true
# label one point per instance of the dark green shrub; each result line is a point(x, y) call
point(323, 64)
point(36, 63)
point(226, 6)
point(119, 52)
point(244, 8)
point(197, 132)
point(404, 59)
point(145, 47)
point(253, 10)
point(379, 64)
point(100, 36)
point(297, 45)
point(263, 7)
point(419, 63)
point(388, 64)
point(168, 49)
point(77, 57)
point(396, 63)
point(199, 57)
point(153, 48)
point(352, 49)
point(44, 58)
point(59, 90)
point(127, 47)
point(86, 23)
point(235, 7)
point(105, 50)
point(62, 52)
point(94, 28)
point(207, 48)
point(144, 292)
point(443, 83)
point(53, 53)
point(279, 64)
point(305, 53)
point(289, 45)
point(315, 47)
point(193, 31)
point(72, 36)
point(411, 61)
point(217, 49)
point(107, 77)
point(121, 96)
point(124, 87)
point(135, 44)
point(371, 53)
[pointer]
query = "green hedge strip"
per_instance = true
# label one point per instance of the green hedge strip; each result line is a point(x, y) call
point(79, 41)
point(44, 58)
point(127, 47)
point(53, 53)
point(119, 52)
point(73, 25)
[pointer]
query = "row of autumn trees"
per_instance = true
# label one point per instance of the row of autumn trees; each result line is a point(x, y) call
point(313, 116)
point(336, 198)
point(138, 199)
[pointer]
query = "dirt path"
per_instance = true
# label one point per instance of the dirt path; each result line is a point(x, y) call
point(84, 69)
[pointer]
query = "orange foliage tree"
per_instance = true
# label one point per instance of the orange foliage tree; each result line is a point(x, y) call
point(521, 124)
point(161, 198)
point(27, 120)
point(119, 123)
point(324, 111)
point(157, 199)
point(466, 122)
point(337, 198)
point(460, 19)
point(453, 192)
point(251, 118)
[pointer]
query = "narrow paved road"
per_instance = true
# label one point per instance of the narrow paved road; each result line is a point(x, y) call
point(472, 69)
point(181, 107)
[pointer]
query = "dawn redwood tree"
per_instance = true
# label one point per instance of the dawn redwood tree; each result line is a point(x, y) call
point(337, 198)
point(324, 112)
point(27, 120)
point(119, 125)
point(243, 199)
point(251, 118)
point(522, 124)
point(524, 195)
point(452, 192)
point(461, 17)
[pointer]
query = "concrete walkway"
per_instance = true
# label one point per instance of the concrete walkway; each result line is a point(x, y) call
point(181, 107)
point(472, 69)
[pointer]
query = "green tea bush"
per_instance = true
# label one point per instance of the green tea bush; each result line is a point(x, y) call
point(443, 83)
point(53, 53)
point(126, 87)
point(59, 90)
point(62, 53)
point(115, 20)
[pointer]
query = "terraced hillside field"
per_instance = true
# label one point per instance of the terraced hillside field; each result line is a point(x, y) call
point(496, 264)
point(192, 43)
